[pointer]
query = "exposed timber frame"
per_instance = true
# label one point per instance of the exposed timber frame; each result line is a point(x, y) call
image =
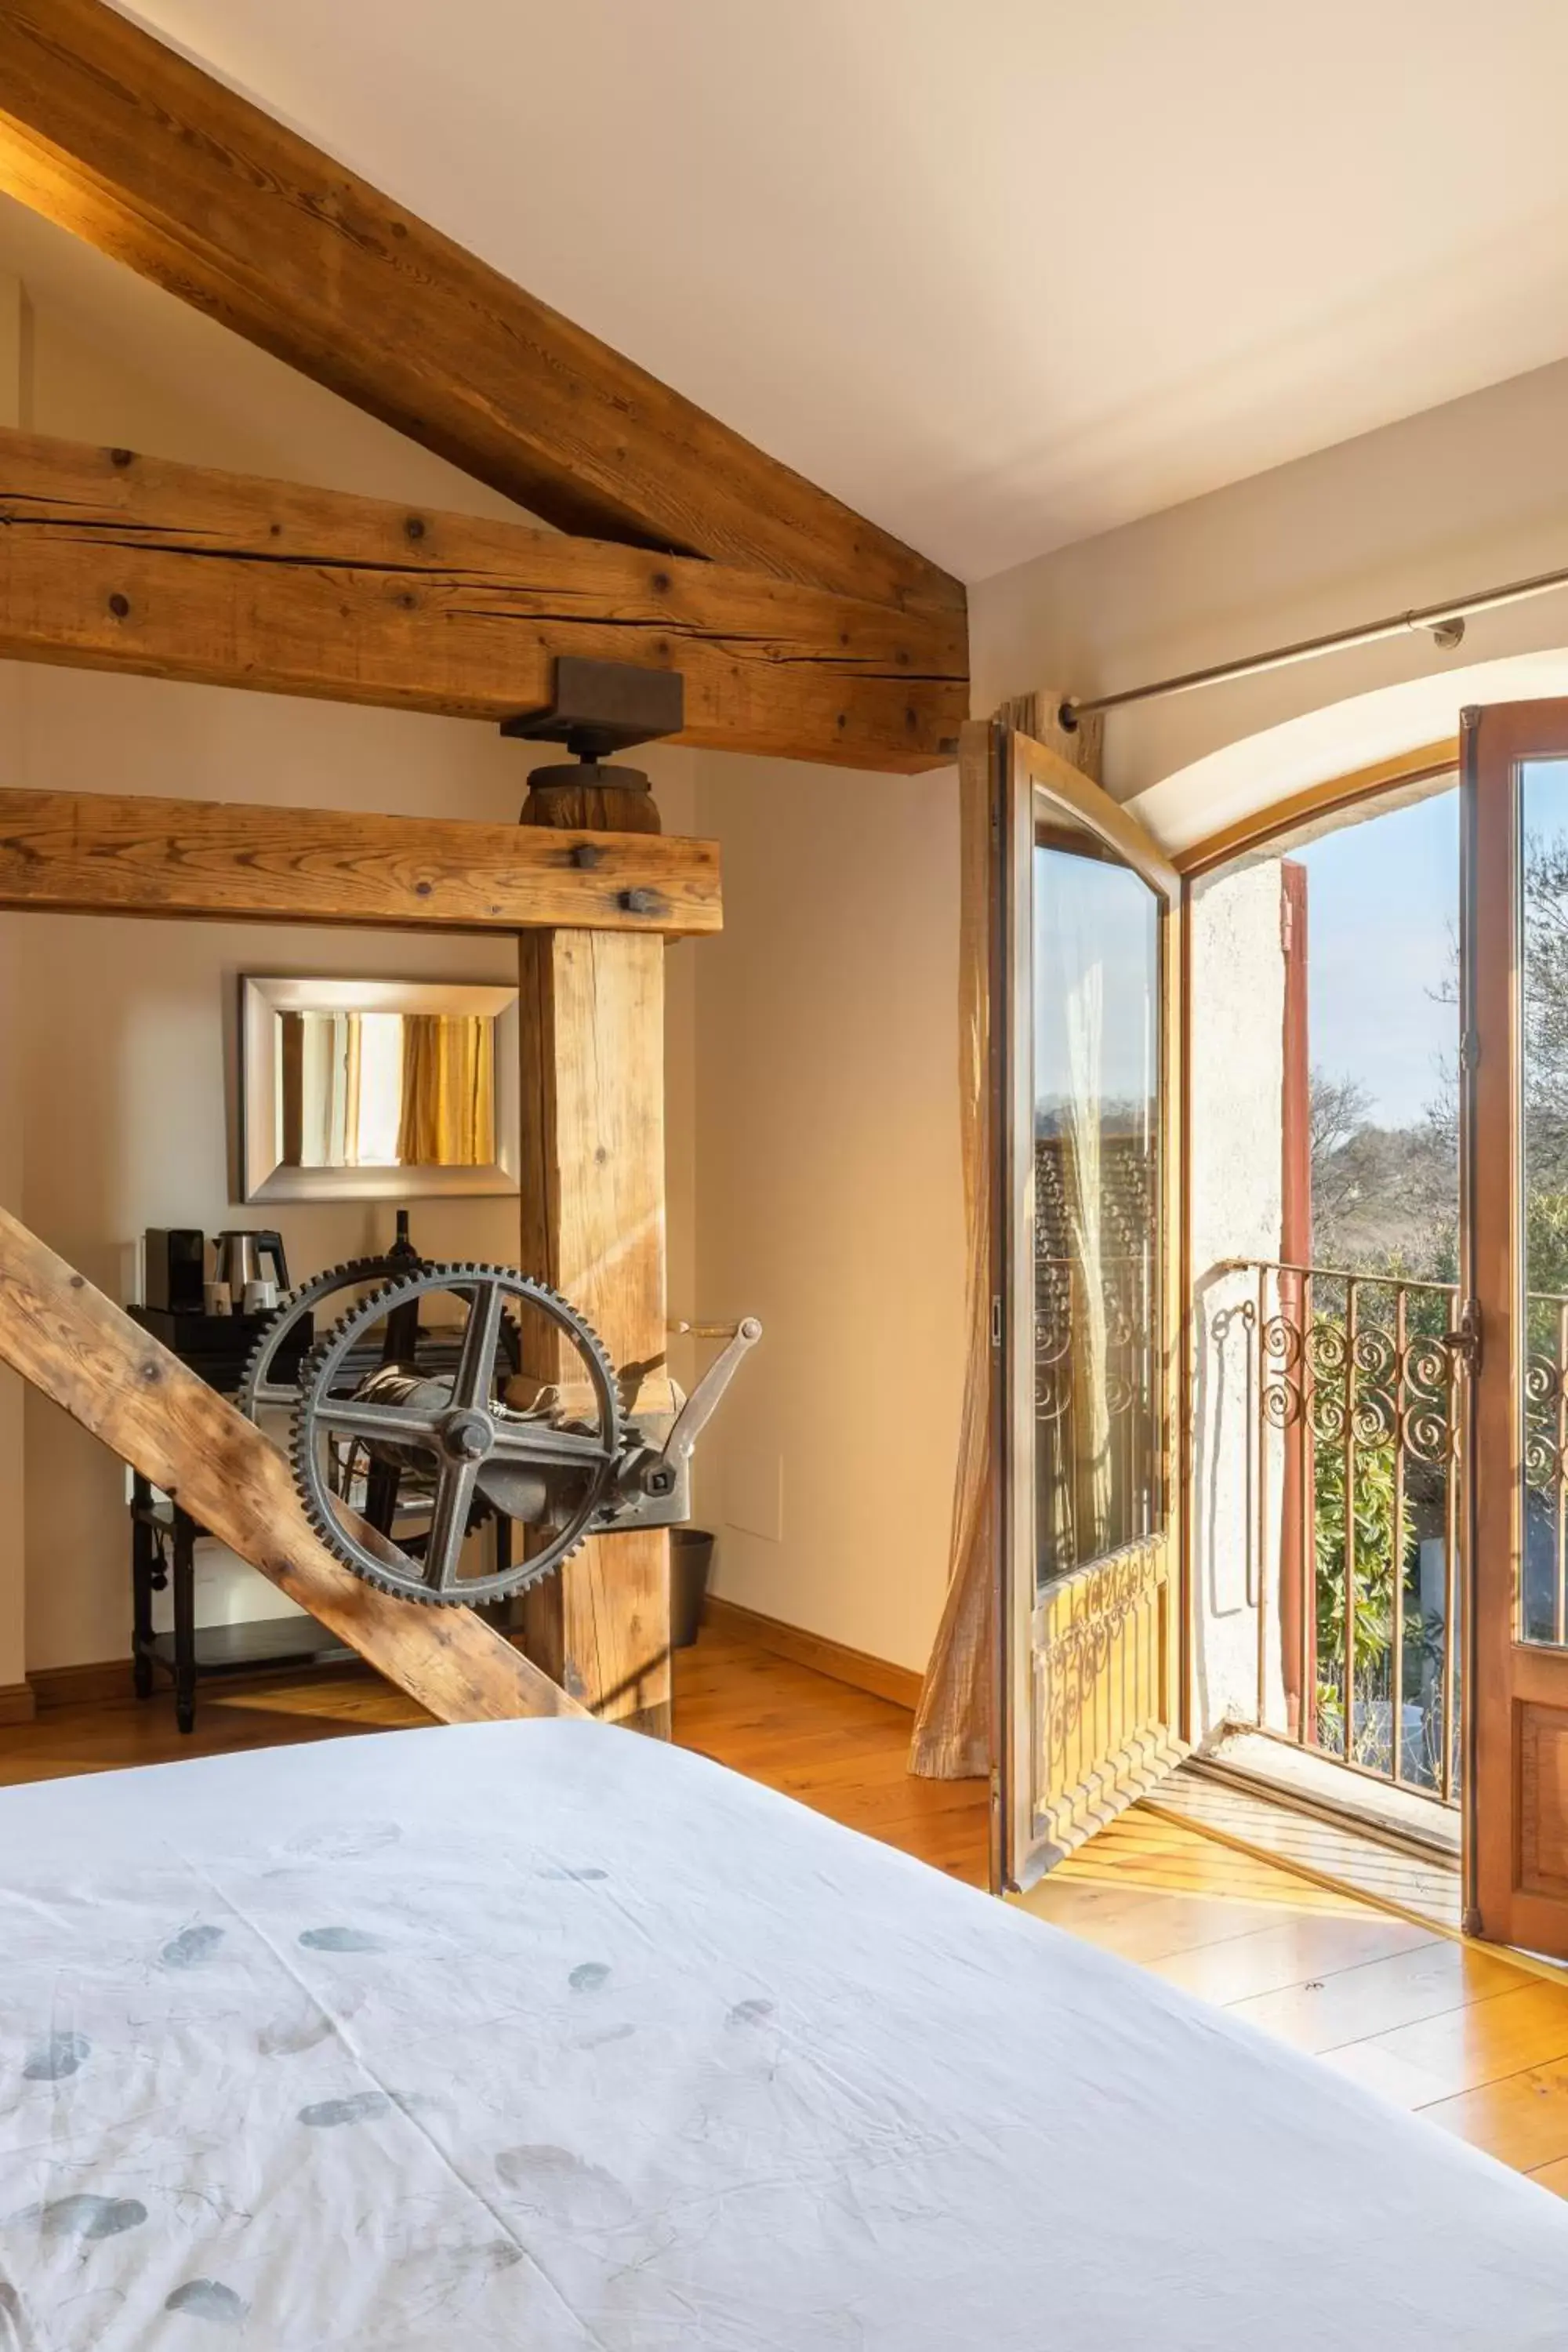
point(104, 854)
point(118, 137)
point(799, 630)
point(593, 908)
point(112, 561)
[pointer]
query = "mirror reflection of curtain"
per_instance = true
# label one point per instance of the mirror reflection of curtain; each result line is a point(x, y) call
point(449, 1091)
point(318, 1089)
point(291, 1082)
point(386, 1089)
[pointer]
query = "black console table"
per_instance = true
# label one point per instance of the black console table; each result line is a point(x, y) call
point(163, 1536)
point(163, 1558)
point(163, 1540)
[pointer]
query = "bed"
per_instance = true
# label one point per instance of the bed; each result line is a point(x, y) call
point(541, 2035)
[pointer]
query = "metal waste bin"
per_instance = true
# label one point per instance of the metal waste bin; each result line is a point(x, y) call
point(691, 1558)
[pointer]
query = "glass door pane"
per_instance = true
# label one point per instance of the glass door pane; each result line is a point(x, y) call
point(1099, 1434)
point(1089, 923)
point(1543, 1100)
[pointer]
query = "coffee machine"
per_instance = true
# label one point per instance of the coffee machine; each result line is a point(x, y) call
point(245, 1257)
point(175, 1264)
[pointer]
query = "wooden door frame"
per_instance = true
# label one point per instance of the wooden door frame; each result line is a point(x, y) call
point(1261, 828)
point(1013, 755)
point(1506, 1678)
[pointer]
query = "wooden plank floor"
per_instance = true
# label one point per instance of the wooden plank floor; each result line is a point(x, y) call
point(1466, 2036)
point(1455, 2031)
point(1398, 1880)
point(836, 1749)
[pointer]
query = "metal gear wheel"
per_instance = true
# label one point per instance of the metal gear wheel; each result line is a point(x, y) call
point(260, 1389)
point(463, 1432)
point(257, 1386)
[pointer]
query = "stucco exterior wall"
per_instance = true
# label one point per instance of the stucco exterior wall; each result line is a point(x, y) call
point(1237, 1014)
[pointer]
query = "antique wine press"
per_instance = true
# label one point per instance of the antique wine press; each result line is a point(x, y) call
point(390, 1418)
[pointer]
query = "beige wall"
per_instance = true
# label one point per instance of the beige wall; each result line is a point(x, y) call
point(1464, 496)
point(829, 1180)
point(828, 1196)
point(116, 1036)
point(127, 1090)
point(1236, 1184)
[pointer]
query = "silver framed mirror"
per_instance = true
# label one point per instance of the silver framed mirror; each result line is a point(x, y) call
point(376, 1089)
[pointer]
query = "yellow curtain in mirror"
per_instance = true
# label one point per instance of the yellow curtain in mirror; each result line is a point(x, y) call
point(448, 1092)
point(386, 1090)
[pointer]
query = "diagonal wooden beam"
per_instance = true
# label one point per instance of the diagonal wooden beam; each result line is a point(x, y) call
point(75, 1346)
point(115, 561)
point(137, 149)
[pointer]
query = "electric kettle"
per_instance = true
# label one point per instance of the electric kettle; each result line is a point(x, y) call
point(240, 1259)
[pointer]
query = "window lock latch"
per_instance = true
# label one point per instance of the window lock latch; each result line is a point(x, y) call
point(1464, 1340)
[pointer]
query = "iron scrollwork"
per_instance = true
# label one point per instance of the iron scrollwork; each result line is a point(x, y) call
point(1071, 1661)
point(1379, 1389)
point(1096, 1342)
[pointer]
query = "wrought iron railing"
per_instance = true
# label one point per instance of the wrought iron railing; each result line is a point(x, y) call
point(1328, 1421)
point(1543, 1594)
point(1096, 1410)
point(1097, 1348)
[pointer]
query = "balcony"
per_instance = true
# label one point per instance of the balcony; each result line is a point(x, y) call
point(1328, 1512)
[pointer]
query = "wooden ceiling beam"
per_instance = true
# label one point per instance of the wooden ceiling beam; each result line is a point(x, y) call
point(120, 139)
point(115, 854)
point(118, 561)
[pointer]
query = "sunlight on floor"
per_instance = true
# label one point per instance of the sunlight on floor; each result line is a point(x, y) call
point(1458, 2031)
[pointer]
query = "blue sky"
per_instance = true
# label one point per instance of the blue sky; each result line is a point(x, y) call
point(1383, 899)
point(1382, 905)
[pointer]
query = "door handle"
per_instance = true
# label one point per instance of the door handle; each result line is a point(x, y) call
point(1464, 1340)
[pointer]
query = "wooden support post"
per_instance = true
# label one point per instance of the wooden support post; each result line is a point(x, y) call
point(593, 1225)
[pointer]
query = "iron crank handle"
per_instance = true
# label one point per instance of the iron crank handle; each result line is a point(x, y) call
point(697, 1410)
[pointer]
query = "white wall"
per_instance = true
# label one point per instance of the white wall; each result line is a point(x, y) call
point(113, 1066)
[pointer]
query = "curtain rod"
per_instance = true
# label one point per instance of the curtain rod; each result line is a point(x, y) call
point(1445, 622)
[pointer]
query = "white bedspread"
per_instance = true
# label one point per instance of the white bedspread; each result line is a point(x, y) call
point(540, 2035)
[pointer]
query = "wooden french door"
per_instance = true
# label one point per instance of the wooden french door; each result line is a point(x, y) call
point(1085, 988)
point(1514, 1332)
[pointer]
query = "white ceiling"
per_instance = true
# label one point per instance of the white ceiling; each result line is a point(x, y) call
point(1001, 273)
